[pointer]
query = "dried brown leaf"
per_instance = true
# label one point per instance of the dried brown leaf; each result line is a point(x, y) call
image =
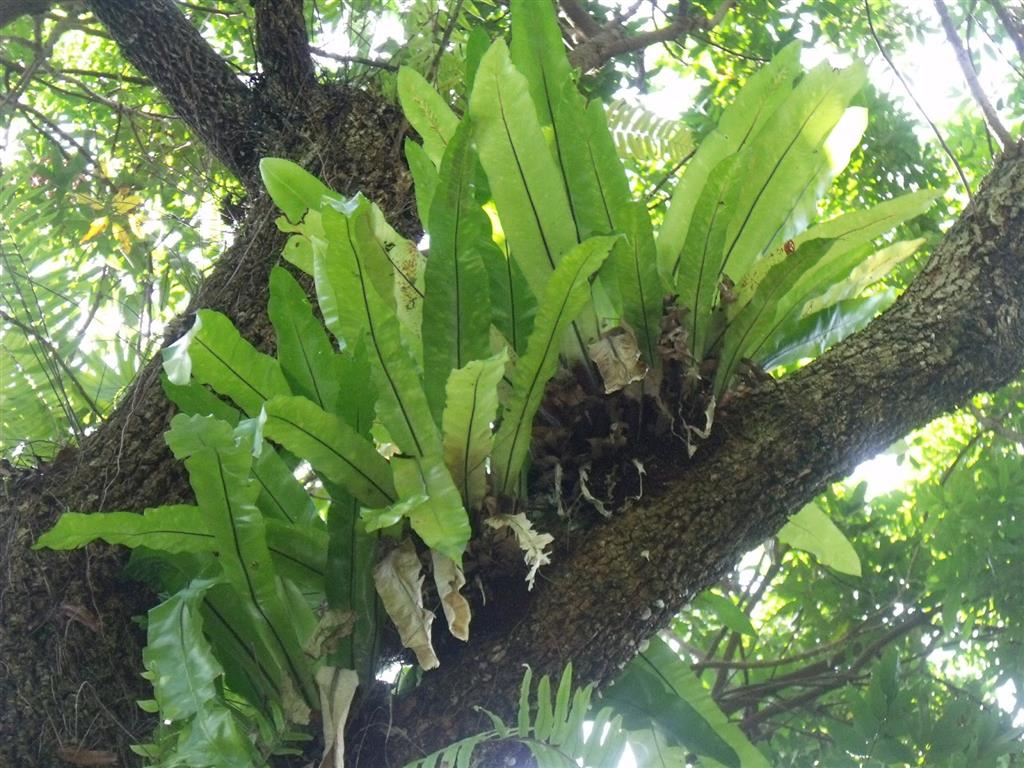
point(337, 688)
point(399, 583)
point(617, 356)
point(449, 578)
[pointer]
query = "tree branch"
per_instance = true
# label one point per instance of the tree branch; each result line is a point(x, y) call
point(201, 88)
point(967, 67)
point(282, 45)
point(602, 43)
point(583, 21)
point(1014, 27)
point(15, 9)
point(839, 677)
point(958, 329)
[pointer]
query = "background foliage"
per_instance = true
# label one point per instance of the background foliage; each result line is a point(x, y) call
point(112, 212)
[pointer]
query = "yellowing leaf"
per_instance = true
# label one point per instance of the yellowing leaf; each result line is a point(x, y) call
point(124, 240)
point(97, 228)
point(125, 201)
point(449, 578)
point(398, 581)
point(530, 541)
point(92, 202)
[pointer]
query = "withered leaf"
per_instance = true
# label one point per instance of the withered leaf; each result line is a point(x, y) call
point(399, 583)
point(530, 541)
point(449, 578)
point(617, 356)
point(337, 688)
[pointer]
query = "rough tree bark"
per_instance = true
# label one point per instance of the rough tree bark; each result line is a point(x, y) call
point(68, 652)
point(958, 330)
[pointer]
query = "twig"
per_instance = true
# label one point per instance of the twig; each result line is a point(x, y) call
point(453, 18)
point(706, 39)
point(839, 678)
point(963, 59)
point(376, 63)
point(913, 98)
point(612, 40)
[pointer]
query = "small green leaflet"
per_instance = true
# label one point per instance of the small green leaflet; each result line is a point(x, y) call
point(565, 296)
point(471, 407)
point(427, 112)
point(813, 531)
point(727, 611)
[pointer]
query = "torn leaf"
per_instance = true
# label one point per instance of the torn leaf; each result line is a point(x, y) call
point(337, 687)
point(530, 541)
point(334, 626)
point(449, 578)
point(617, 356)
point(398, 581)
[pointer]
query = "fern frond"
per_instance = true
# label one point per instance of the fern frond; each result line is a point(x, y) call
point(643, 136)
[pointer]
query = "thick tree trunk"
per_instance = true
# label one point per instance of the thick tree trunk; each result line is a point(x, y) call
point(69, 656)
point(69, 652)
